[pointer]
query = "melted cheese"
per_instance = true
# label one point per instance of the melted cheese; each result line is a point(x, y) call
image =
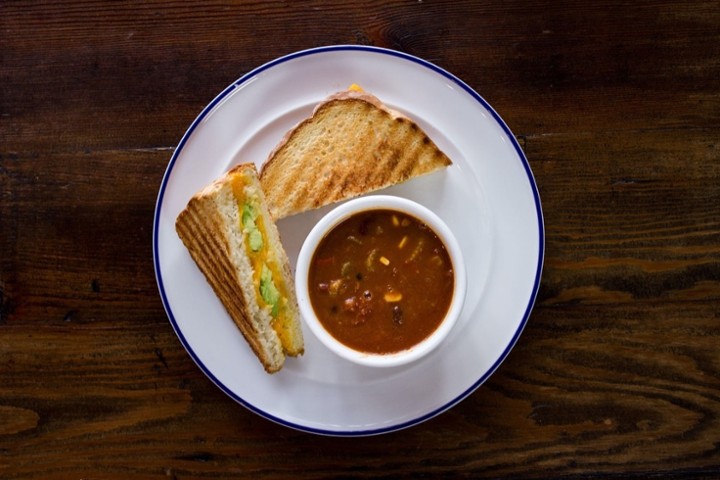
point(262, 257)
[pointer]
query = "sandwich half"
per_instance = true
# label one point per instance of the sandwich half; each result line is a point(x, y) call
point(351, 145)
point(232, 237)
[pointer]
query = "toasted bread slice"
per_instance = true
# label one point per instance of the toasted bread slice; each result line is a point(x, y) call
point(230, 234)
point(351, 145)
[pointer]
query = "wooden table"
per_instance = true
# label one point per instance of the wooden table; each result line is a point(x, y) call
point(617, 106)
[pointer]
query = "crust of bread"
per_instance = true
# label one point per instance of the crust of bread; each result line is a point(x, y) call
point(209, 227)
point(351, 145)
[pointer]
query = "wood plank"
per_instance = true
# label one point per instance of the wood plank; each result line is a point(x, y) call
point(617, 107)
point(591, 66)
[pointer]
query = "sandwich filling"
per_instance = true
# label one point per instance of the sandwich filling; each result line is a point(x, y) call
point(270, 289)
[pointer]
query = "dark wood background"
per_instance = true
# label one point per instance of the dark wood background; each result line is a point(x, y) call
point(617, 105)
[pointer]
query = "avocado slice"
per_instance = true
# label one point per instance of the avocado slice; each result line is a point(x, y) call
point(268, 290)
point(255, 239)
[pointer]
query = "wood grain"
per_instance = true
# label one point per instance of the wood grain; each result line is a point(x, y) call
point(617, 374)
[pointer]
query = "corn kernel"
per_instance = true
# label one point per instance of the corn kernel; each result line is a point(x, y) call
point(395, 221)
point(393, 297)
point(384, 261)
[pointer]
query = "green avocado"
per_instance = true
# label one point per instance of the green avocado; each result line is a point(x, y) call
point(255, 239)
point(268, 290)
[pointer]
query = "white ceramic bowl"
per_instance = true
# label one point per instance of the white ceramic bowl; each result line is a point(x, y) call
point(341, 213)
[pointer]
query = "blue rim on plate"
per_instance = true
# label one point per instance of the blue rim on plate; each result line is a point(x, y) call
point(521, 157)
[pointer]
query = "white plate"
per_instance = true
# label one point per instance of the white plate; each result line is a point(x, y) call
point(488, 197)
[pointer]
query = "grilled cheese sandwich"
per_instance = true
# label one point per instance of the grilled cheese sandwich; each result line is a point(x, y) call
point(230, 234)
point(352, 144)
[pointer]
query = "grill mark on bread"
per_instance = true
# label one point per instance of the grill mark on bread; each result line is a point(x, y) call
point(404, 165)
point(210, 229)
point(348, 147)
point(220, 274)
point(204, 246)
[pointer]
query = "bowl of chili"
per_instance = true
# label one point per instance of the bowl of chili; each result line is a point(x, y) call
point(380, 280)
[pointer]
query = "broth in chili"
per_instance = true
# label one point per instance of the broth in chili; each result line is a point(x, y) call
point(381, 281)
